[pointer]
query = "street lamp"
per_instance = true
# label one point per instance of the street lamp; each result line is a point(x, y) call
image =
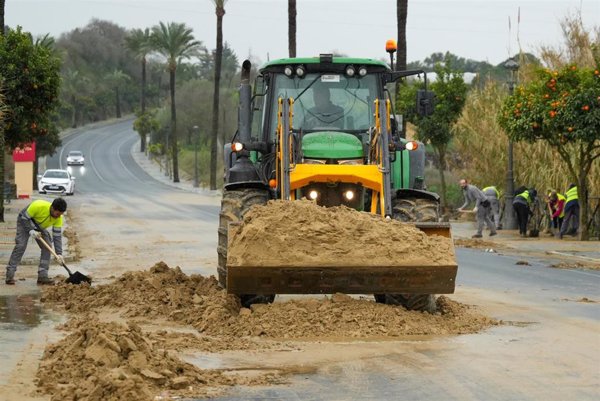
point(196, 131)
point(509, 214)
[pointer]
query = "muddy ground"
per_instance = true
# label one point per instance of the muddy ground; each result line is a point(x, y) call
point(132, 335)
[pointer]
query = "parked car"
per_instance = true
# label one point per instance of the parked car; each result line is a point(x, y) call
point(75, 158)
point(56, 182)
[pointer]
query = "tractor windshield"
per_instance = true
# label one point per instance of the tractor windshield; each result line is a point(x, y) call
point(328, 102)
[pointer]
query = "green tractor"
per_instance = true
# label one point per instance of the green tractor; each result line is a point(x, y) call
point(323, 129)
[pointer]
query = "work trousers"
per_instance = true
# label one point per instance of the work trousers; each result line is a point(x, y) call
point(571, 220)
point(21, 240)
point(483, 218)
point(495, 211)
point(557, 222)
point(522, 212)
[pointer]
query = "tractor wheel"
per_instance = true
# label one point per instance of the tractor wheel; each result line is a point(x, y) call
point(234, 206)
point(418, 302)
point(416, 210)
point(413, 210)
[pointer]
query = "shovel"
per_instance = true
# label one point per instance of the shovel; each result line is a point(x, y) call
point(74, 278)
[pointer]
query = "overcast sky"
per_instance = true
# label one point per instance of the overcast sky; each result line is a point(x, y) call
point(472, 29)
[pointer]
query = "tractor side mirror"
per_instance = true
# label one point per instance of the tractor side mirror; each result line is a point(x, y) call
point(425, 99)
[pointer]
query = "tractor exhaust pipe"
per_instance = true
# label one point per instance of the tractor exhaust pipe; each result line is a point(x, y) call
point(243, 172)
point(244, 113)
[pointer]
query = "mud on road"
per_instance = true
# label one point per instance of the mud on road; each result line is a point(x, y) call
point(125, 338)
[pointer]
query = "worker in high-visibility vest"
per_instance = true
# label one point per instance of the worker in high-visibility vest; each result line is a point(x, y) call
point(522, 206)
point(34, 222)
point(494, 197)
point(557, 205)
point(570, 224)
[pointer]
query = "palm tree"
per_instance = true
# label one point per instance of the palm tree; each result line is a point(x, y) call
point(220, 11)
point(174, 41)
point(2, 17)
point(401, 12)
point(292, 27)
point(138, 42)
point(73, 88)
point(115, 79)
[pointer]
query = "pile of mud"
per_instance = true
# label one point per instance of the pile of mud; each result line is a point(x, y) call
point(301, 233)
point(102, 361)
point(165, 293)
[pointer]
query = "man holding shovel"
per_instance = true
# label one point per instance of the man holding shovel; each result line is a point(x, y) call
point(33, 221)
point(482, 207)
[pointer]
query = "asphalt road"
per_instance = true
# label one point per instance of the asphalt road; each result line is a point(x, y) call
point(548, 348)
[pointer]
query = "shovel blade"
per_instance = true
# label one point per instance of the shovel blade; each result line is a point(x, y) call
point(78, 278)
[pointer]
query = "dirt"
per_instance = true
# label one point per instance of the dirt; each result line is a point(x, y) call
point(125, 337)
point(478, 244)
point(335, 236)
point(121, 345)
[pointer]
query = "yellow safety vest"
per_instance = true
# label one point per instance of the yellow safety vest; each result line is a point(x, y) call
point(572, 194)
point(525, 195)
point(495, 190)
point(561, 197)
point(39, 211)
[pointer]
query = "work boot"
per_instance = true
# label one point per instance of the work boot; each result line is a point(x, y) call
point(10, 281)
point(45, 281)
point(492, 234)
point(477, 236)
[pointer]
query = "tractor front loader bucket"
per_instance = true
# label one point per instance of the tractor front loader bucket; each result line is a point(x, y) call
point(345, 277)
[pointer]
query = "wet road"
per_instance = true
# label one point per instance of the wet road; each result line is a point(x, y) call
point(548, 348)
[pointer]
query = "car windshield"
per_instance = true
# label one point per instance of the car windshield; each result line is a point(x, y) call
point(75, 154)
point(56, 174)
point(328, 101)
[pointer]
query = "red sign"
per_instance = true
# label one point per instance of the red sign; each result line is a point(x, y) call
point(24, 153)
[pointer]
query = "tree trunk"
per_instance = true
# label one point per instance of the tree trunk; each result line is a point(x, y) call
point(583, 195)
point(401, 15)
point(215, 114)
point(143, 103)
point(2, 19)
point(118, 106)
point(402, 11)
point(441, 153)
point(292, 27)
point(173, 138)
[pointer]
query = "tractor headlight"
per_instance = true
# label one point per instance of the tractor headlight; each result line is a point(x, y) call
point(288, 70)
point(349, 195)
point(350, 71)
point(313, 195)
point(362, 71)
point(412, 145)
point(300, 71)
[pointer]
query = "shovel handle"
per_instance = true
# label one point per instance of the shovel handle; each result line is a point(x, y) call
point(41, 239)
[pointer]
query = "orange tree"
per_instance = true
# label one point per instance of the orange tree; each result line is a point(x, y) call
point(29, 80)
point(563, 109)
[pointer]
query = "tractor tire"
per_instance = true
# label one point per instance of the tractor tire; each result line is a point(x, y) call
point(234, 206)
point(413, 210)
point(418, 302)
point(421, 210)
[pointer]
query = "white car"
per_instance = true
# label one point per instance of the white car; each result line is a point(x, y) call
point(75, 158)
point(56, 182)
